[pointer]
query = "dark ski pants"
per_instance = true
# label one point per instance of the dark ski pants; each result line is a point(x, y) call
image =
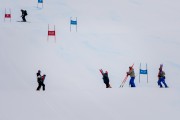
point(162, 80)
point(23, 18)
point(108, 85)
point(131, 82)
point(41, 84)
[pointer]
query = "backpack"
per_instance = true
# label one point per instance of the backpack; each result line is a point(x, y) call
point(25, 13)
point(42, 78)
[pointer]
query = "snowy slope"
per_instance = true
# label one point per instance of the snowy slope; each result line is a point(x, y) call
point(112, 35)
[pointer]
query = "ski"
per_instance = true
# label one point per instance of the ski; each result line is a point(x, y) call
point(123, 82)
point(24, 22)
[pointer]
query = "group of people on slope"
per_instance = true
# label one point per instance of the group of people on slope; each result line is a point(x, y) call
point(131, 73)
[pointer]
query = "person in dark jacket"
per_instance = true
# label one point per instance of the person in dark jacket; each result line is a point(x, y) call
point(41, 83)
point(40, 80)
point(24, 14)
point(161, 77)
point(105, 78)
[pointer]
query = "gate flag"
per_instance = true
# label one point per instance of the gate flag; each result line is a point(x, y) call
point(73, 22)
point(40, 2)
point(143, 72)
point(7, 15)
point(51, 33)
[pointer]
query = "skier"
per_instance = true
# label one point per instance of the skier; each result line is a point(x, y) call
point(24, 14)
point(105, 78)
point(161, 78)
point(41, 83)
point(132, 75)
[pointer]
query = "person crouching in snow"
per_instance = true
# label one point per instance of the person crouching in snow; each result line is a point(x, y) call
point(105, 78)
point(161, 76)
point(132, 75)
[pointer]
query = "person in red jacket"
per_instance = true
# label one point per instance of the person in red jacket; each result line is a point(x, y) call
point(41, 83)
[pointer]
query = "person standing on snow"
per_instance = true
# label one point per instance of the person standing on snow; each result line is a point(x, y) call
point(41, 83)
point(105, 78)
point(24, 14)
point(161, 78)
point(132, 75)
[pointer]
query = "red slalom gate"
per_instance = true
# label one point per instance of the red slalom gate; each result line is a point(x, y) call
point(7, 15)
point(51, 33)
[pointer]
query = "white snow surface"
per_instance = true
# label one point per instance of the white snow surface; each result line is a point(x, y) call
point(112, 35)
